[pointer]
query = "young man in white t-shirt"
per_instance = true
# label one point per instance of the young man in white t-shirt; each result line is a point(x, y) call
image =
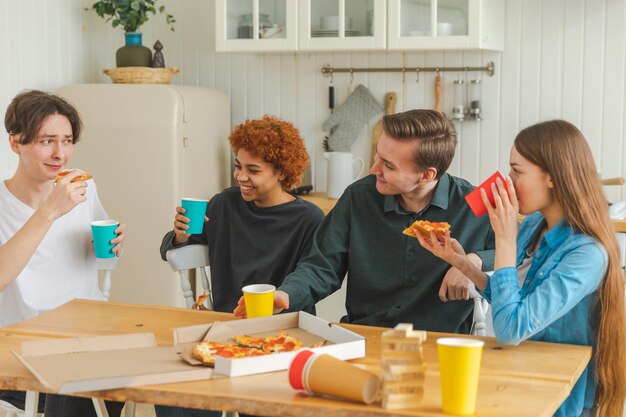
point(46, 255)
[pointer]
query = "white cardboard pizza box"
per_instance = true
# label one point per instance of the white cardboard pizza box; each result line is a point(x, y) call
point(106, 362)
point(339, 342)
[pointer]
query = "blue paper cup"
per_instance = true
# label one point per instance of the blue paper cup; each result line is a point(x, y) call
point(103, 232)
point(195, 210)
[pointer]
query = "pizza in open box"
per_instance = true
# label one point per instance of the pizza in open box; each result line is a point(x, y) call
point(245, 347)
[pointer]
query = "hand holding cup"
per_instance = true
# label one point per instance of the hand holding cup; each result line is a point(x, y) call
point(183, 225)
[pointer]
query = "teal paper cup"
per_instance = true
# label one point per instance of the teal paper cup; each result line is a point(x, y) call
point(195, 210)
point(103, 232)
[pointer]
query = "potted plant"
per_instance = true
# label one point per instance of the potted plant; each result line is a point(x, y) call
point(131, 14)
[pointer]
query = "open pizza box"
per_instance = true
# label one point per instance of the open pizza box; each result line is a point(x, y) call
point(106, 362)
point(312, 331)
point(118, 361)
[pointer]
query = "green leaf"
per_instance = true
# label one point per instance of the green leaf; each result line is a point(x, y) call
point(130, 14)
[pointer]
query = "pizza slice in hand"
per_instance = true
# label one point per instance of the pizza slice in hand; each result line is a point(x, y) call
point(82, 177)
point(424, 227)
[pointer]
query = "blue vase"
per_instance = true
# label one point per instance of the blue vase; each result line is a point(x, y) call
point(133, 54)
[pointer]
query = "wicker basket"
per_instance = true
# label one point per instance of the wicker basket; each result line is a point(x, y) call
point(140, 75)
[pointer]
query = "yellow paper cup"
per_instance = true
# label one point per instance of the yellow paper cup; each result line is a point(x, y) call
point(459, 368)
point(259, 300)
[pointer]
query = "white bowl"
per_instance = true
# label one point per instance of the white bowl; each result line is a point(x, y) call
point(329, 22)
point(444, 28)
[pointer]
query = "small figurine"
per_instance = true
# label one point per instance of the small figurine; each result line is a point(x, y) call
point(158, 61)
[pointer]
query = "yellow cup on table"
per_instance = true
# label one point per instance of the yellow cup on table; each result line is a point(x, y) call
point(259, 300)
point(459, 368)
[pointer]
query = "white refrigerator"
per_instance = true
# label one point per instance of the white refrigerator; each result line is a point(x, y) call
point(146, 147)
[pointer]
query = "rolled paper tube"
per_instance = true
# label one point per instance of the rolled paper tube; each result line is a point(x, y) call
point(327, 375)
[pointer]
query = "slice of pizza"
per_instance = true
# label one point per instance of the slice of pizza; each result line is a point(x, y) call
point(202, 297)
point(206, 352)
point(282, 343)
point(248, 341)
point(270, 344)
point(425, 227)
point(82, 177)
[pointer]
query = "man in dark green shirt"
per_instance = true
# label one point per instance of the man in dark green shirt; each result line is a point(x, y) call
point(391, 278)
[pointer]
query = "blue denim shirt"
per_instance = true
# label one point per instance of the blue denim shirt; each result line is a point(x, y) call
point(556, 299)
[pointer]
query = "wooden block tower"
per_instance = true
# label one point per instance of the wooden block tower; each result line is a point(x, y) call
point(402, 367)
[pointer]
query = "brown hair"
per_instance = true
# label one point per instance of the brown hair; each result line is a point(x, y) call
point(28, 111)
point(434, 132)
point(277, 142)
point(560, 149)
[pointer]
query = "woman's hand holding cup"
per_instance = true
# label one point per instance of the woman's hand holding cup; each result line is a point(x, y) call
point(181, 226)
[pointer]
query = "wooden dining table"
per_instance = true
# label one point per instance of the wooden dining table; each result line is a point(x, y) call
point(531, 379)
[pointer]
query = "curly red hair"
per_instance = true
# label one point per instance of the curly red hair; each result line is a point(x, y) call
point(277, 142)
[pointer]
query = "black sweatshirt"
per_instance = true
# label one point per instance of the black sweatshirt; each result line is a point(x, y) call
point(250, 244)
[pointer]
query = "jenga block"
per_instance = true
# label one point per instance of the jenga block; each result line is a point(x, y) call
point(403, 387)
point(397, 401)
point(410, 356)
point(402, 367)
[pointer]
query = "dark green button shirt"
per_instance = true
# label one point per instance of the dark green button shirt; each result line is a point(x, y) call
point(391, 278)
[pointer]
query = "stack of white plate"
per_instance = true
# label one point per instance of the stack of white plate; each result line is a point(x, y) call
point(323, 33)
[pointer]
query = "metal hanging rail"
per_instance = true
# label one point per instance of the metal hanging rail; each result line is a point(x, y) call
point(327, 70)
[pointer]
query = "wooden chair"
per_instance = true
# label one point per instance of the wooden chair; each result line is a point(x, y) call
point(31, 403)
point(185, 259)
point(107, 265)
point(481, 307)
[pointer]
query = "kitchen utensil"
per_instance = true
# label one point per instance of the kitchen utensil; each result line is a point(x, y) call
point(438, 92)
point(390, 108)
point(444, 29)
point(331, 106)
point(612, 181)
point(341, 172)
point(350, 118)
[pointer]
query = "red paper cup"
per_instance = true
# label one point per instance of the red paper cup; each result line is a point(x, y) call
point(296, 369)
point(474, 199)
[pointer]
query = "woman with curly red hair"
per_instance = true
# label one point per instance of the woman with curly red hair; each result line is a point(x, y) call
point(256, 231)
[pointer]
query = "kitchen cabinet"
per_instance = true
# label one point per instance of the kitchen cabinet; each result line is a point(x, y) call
point(256, 25)
point(349, 25)
point(445, 24)
point(341, 25)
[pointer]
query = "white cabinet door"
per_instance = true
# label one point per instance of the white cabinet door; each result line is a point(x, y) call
point(445, 24)
point(342, 25)
point(256, 25)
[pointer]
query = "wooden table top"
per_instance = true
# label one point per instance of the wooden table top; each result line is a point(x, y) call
point(527, 380)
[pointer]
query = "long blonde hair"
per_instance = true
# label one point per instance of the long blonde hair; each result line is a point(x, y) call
point(561, 150)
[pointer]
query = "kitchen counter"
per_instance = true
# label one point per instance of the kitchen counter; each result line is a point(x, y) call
point(327, 204)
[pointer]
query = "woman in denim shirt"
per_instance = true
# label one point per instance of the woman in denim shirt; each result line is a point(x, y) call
point(559, 279)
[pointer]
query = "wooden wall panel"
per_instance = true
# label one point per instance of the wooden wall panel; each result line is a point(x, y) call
point(562, 59)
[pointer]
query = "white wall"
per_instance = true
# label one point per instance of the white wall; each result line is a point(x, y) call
point(43, 46)
point(562, 58)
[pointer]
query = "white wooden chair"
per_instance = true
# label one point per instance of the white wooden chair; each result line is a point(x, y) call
point(481, 308)
point(185, 259)
point(191, 257)
point(31, 403)
point(107, 265)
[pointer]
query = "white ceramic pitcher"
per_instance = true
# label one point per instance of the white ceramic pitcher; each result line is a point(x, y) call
point(341, 172)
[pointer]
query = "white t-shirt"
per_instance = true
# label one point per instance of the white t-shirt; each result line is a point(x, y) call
point(63, 266)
